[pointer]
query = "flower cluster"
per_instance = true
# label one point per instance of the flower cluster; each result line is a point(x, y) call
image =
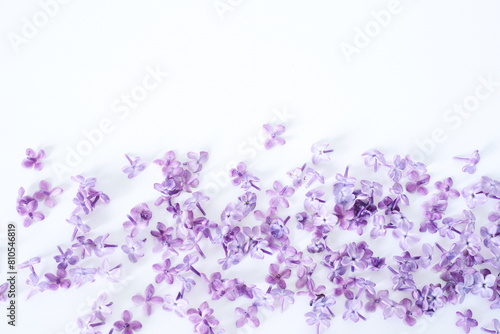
point(330, 279)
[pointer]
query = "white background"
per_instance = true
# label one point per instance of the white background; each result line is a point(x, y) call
point(229, 73)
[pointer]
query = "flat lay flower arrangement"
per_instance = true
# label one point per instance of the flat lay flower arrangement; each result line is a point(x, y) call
point(336, 274)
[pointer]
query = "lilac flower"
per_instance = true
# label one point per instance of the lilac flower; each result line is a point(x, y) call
point(165, 272)
point(409, 313)
point(325, 220)
point(126, 325)
point(149, 300)
point(100, 308)
point(379, 228)
point(138, 219)
point(194, 201)
point(46, 194)
point(313, 199)
point(135, 167)
point(297, 176)
point(111, 274)
point(202, 318)
point(490, 186)
point(231, 214)
point(318, 319)
point(445, 188)
point(483, 285)
point(313, 175)
point(3, 289)
point(29, 263)
point(31, 214)
point(396, 171)
point(65, 258)
point(83, 182)
point(278, 195)
point(473, 196)
point(87, 324)
point(36, 285)
point(82, 275)
point(374, 158)
point(425, 260)
point(417, 183)
point(471, 162)
point(132, 248)
point(371, 188)
point(178, 305)
point(352, 310)
point(277, 277)
point(82, 202)
point(274, 132)
point(197, 161)
point(282, 296)
point(375, 300)
point(466, 321)
point(79, 226)
point(404, 235)
point(390, 307)
point(33, 159)
point(320, 151)
point(264, 299)
point(59, 281)
point(248, 315)
point(241, 176)
point(496, 324)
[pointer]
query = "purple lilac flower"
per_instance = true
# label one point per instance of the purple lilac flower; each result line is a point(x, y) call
point(79, 226)
point(165, 272)
point(471, 162)
point(417, 183)
point(29, 263)
point(127, 326)
point(374, 158)
point(445, 188)
point(46, 194)
point(3, 289)
point(36, 285)
point(197, 160)
point(202, 318)
point(320, 151)
point(490, 186)
point(496, 324)
point(375, 300)
point(396, 171)
point(101, 308)
point(473, 196)
point(248, 315)
point(194, 201)
point(282, 296)
point(132, 248)
point(87, 325)
point(83, 182)
point(58, 281)
point(466, 321)
point(277, 277)
point(409, 313)
point(483, 285)
point(33, 159)
point(273, 133)
point(138, 219)
point(135, 167)
point(177, 305)
point(318, 319)
point(352, 310)
point(278, 195)
point(31, 214)
point(65, 258)
point(82, 275)
point(149, 300)
point(111, 274)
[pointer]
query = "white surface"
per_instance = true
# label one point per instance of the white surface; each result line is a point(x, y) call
point(227, 76)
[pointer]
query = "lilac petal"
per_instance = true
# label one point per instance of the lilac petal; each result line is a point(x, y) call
point(135, 325)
